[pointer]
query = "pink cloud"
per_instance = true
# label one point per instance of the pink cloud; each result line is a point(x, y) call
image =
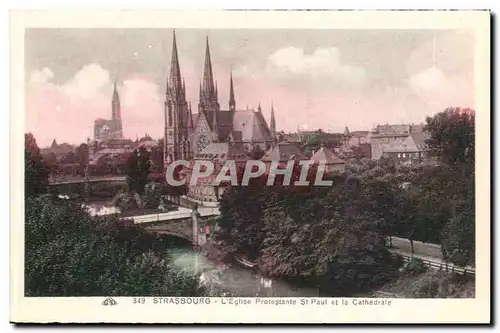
point(67, 112)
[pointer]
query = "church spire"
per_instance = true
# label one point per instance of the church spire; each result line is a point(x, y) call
point(116, 112)
point(175, 71)
point(208, 80)
point(259, 108)
point(273, 121)
point(232, 102)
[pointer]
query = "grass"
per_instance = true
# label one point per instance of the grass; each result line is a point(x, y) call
point(430, 284)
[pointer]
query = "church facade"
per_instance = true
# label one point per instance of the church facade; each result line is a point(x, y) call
point(188, 134)
point(106, 129)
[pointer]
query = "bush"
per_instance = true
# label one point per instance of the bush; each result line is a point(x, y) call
point(126, 201)
point(414, 267)
point(152, 195)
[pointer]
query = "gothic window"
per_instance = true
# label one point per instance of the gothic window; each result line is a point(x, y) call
point(169, 114)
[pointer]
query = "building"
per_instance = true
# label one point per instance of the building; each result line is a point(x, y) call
point(412, 150)
point(218, 153)
point(332, 162)
point(283, 152)
point(383, 136)
point(105, 129)
point(187, 134)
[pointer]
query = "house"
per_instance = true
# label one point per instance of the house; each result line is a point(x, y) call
point(333, 162)
point(411, 150)
point(390, 137)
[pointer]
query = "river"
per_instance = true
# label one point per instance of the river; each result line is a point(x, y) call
point(234, 280)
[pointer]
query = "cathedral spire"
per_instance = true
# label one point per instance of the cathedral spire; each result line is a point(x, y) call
point(116, 112)
point(232, 102)
point(259, 108)
point(273, 121)
point(208, 80)
point(175, 71)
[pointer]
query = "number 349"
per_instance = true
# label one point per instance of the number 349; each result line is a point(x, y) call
point(139, 300)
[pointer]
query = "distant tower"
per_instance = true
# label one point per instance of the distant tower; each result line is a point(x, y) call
point(346, 132)
point(116, 114)
point(209, 104)
point(272, 123)
point(232, 102)
point(177, 115)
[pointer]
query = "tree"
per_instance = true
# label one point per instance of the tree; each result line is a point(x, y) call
point(458, 239)
point(70, 253)
point(138, 170)
point(326, 236)
point(452, 135)
point(152, 195)
point(36, 174)
point(82, 154)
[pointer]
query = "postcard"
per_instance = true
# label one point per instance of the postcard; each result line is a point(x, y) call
point(250, 166)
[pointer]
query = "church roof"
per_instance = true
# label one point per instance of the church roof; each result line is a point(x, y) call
point(326, 155)
point(222, 151)
point(244, 125)
point(283, 151)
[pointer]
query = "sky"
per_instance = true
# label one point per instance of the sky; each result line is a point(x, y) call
point(326, 79)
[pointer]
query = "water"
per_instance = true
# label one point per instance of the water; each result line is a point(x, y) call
point(96, 209)
point(234, 280)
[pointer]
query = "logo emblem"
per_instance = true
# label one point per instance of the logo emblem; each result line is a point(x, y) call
point(109, 301)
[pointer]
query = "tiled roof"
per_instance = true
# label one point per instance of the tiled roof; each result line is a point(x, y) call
point(326, 155)
point(283, 151)
point(391, 130)
point(223, 151)
point(250, 123)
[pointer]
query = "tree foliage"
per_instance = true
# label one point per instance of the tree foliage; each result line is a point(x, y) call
point(138, 168)
point(321, 235)
point(70, 253)
point(453, 136)
point(35, 172)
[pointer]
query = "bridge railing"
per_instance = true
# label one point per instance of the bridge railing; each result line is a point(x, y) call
point(437, 264)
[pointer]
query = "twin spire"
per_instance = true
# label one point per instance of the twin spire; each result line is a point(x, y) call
point(208, 87)
point(175, 82)
point(208, 80)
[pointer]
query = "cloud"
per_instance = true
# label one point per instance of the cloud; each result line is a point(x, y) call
point(323, 62)
point(88, 83)
point(67, 111)
point(429, 80)
point(41, 76)
point(441, 91)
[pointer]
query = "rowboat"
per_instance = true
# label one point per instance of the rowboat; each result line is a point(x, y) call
point(245, 262)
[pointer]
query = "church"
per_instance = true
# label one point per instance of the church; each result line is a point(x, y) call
point(188, 134)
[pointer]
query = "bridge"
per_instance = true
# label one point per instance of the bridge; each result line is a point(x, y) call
point(82, 180)
point(102, 187)
point(191, 224)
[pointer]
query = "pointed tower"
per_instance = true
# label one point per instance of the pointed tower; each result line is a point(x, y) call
point(116, 116)
point(209, 103)
point(232, 102)
point(176, 141)
point(208, 80)
point(272, 123)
